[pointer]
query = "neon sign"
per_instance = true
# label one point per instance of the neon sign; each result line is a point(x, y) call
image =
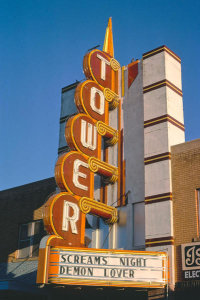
point(63, 257)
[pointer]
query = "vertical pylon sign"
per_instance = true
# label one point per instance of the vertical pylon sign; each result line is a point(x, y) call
point(89, 137)
point(94, 136)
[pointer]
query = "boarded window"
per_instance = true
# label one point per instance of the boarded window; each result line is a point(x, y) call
point(30, 235)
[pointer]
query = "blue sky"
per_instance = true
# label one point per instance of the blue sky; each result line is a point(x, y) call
point(42, 45)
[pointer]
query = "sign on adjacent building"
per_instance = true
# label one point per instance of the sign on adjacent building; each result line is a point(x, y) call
point(191, 261)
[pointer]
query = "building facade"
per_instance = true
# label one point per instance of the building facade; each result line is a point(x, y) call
point(159, 206)
point(152, 122)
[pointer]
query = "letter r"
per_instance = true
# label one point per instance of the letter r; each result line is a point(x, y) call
point(67, 219)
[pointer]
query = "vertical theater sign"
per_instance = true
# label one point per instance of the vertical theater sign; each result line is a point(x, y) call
point(63, 256)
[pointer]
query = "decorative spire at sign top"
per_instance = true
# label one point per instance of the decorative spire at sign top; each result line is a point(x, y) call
point(108, 41)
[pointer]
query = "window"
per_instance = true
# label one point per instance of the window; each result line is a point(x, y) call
point(30, 235)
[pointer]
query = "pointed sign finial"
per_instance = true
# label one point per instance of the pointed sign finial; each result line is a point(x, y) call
point(108, 41)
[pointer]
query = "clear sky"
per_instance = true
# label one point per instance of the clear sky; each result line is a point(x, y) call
point(42, 45)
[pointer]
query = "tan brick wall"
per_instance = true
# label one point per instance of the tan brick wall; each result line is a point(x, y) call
point(17, 206)
point(185, 181)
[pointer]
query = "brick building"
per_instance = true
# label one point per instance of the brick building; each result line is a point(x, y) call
point(21, 231)
point(186, 197)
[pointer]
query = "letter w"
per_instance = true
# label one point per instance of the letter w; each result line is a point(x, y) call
point(87, 140)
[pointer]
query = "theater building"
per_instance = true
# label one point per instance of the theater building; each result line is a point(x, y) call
point(156, 194)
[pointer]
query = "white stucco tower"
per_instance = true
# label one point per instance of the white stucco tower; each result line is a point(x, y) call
point(163, 128)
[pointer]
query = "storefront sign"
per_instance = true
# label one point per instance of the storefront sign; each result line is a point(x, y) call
point(191, 261)
point(107, 267)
